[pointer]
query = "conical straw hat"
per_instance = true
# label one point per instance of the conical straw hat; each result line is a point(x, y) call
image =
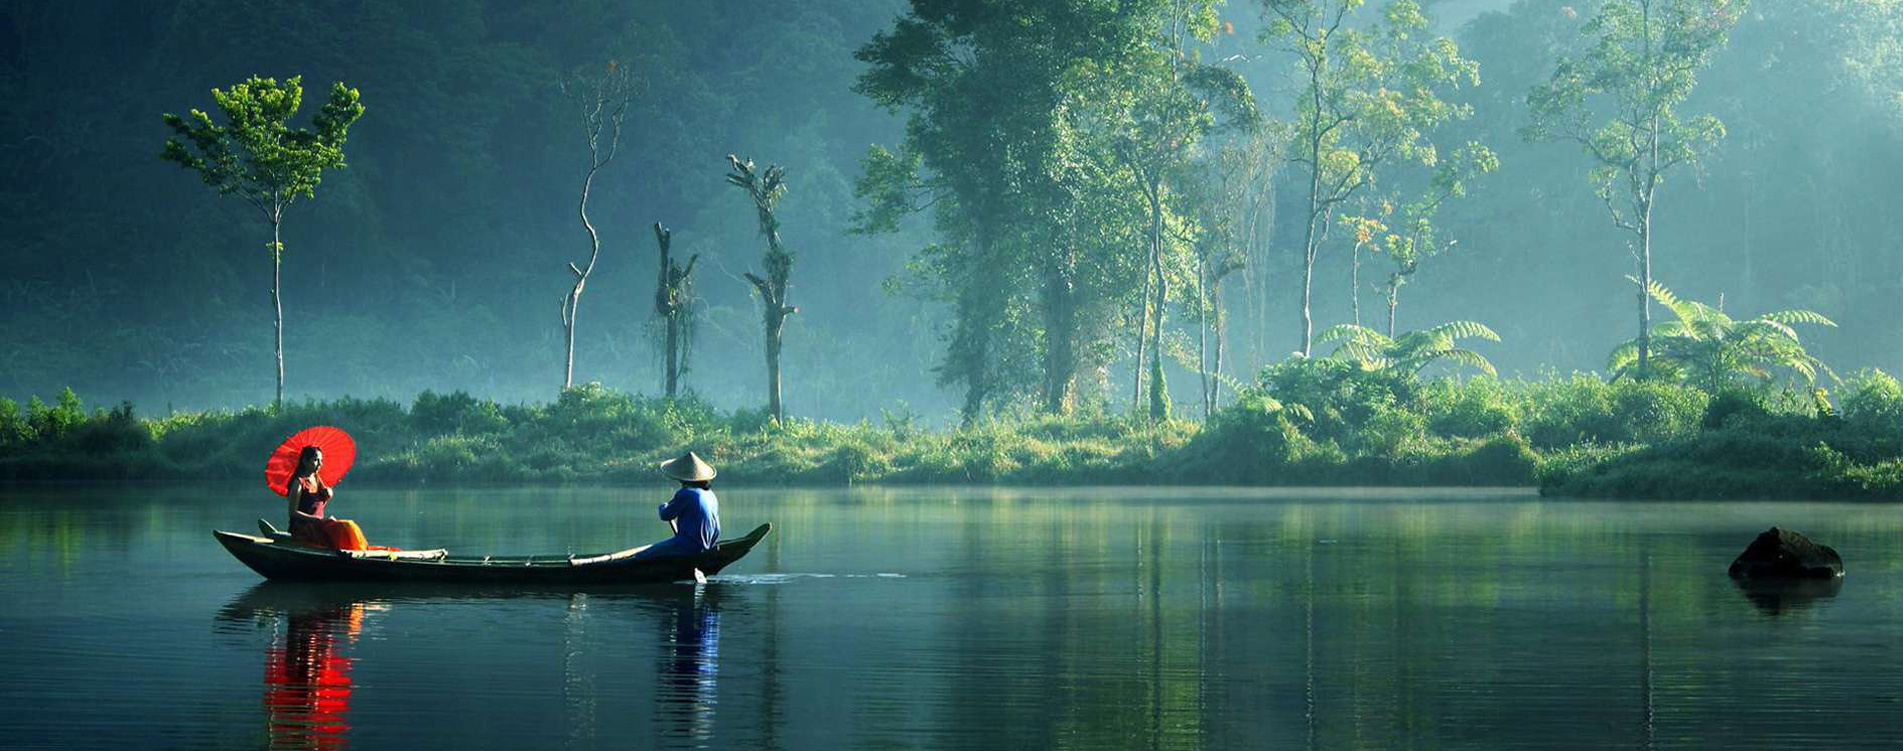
point(688, 468)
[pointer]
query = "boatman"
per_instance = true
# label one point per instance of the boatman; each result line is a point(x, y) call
point(694, 512)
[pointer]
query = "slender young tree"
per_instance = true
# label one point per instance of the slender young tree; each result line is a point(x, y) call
point(673, 299)
point(1161, 104)
point(1619, 102)
point(1412, 238)
point(1220, 206)
point(766, 189)
point(257, 156)
point(601, 101)
point(1369, 95)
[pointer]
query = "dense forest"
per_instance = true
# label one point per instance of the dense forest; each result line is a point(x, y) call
point(1132, 213)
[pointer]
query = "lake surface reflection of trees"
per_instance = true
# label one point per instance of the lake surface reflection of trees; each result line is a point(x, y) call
point(1050, 619)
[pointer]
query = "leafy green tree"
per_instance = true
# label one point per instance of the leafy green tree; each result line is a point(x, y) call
point(1619, 101)
point(258, 157)
point(765, 190)
point(1412, 351)
point(1876, 35)
point(601, 103)
point(972, 80)
point(1368, 96)
point(1030, 199)
point(1162, 102)
point(1706, 348)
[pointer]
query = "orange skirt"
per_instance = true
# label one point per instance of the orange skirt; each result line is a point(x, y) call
point(341, 534)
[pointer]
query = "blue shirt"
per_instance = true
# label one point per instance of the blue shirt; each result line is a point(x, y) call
point(696, 514)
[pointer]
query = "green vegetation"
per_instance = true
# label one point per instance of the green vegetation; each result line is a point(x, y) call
point(1055, 199)
point(1370, 98)
point(1304, 422)
point(1412, 351)
point(256, 156)
point(1709, 349)
point(1619, 102)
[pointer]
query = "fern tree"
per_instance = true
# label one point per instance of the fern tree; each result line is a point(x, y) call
point(1706, 348)
point(1412, 351)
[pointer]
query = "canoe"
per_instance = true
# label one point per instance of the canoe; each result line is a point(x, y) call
point(276, 556)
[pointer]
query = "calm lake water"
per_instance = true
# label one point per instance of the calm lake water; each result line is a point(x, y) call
point(961, 618)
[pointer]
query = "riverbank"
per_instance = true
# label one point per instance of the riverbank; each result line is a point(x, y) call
point(1313, 423)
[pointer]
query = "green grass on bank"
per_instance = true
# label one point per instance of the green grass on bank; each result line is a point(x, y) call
point(1305, 422)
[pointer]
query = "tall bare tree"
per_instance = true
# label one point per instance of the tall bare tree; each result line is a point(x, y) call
point(766, 189)
point(602, 102)
point(673, 297)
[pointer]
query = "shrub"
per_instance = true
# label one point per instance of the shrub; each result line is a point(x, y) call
point(1476, 408)
point(50, 424)
point(1585, 409)
point(455, 412)
point(750, 420)
point(1391, 432)
point(1733, 405)
point(1501, 460)
point(854, 461)
point(111, 432)
point(1651, 411)
point(455, 456)
point(1340, 396)
point(1253, 440)
point(1874, 400)
point(14, 430)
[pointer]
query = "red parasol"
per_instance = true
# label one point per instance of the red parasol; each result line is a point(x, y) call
point(339, 451)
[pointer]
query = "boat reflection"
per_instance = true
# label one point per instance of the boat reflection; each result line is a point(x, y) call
point(308, 663)
point(307, 666)
point(689, 663)
point(307, 680)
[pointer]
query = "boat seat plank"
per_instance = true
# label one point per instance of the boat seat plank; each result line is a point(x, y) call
point(407, 555)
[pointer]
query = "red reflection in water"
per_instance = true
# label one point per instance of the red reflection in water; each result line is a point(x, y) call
point(307, 679)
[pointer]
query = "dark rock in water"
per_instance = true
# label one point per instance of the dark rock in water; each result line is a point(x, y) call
point(1780, 596)
point(1784, 554)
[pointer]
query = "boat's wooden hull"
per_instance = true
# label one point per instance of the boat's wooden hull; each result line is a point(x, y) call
point(278, 559)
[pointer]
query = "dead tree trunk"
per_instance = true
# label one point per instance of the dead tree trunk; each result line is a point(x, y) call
point(603, 101)
point(673, 293)
point(766, 190)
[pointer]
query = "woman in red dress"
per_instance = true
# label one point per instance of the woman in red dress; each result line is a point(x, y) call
point(308, 495)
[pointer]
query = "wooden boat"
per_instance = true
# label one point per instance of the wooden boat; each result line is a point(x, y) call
point(276, 556)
